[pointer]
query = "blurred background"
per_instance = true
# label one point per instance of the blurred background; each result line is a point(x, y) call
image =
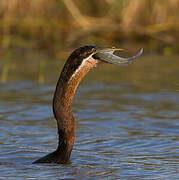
point(52, 29)
point(58, 25)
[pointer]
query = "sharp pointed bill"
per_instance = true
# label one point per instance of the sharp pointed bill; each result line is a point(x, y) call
point(107, 55)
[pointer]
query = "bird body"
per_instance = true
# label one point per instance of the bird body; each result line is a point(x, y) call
point(79, 63)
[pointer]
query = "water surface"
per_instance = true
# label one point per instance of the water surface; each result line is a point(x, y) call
point(127, 121)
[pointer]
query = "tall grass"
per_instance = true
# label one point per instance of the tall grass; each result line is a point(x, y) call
point(56, 24)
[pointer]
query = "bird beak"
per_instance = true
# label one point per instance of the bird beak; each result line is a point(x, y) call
point(106, 55)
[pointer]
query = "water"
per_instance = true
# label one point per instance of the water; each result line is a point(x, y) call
point(127, 122)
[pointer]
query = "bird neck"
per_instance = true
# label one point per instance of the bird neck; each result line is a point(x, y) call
point(62, 106)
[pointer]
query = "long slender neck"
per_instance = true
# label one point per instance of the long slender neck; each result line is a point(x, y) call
point(62, 106)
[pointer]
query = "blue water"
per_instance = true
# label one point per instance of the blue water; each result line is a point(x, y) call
point(127, 125)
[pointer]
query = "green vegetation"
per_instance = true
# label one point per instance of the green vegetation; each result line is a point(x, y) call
point(6, 65)
point(57, 25)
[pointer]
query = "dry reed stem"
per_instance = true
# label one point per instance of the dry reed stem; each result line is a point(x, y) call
point(75, 12)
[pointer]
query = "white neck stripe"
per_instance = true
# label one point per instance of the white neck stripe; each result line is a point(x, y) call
point(81, 65)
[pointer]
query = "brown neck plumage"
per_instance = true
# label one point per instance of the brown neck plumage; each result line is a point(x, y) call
point(62, 105)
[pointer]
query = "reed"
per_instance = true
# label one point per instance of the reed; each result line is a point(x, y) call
point(41, 77)
point(6, 65)
point(62, 23)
